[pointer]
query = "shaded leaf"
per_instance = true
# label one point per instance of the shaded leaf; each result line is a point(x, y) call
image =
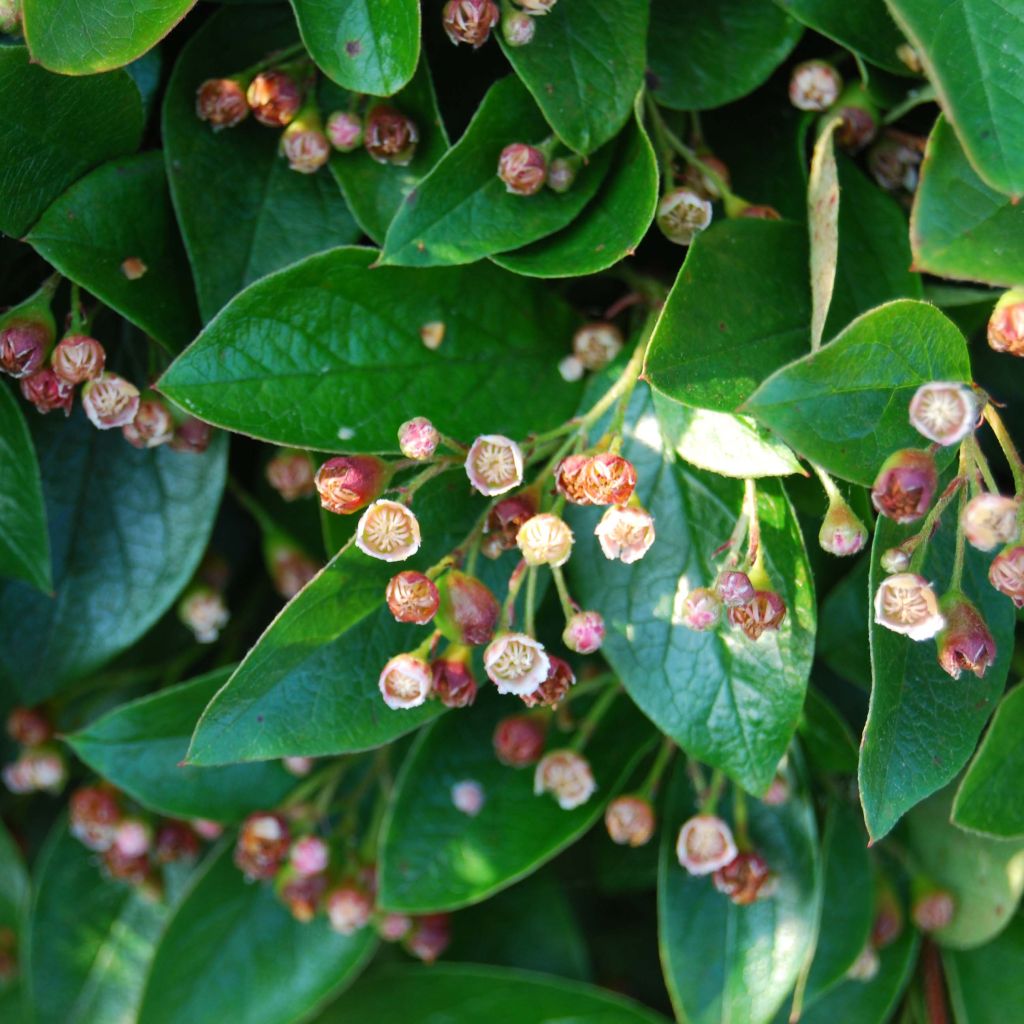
point(826, 737)
point(843, 626)
point(984, 983)
point(14, 882)
point(823, 224)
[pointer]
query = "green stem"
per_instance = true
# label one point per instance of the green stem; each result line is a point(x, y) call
point(531, 601)
point(958, 557)
point(515, 582)
point(661, 144)
point(980, 463)
point(739, 817)
point(995, 421)
point(408, 491)
point(710, 797)
point(924, 535)
point(593, 719)
point(661, 761)
point(831, 490)
point(563, 592)
point(623, 386)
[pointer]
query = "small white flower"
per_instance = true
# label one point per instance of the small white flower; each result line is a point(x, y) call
point(944, 412)
point(566, 775)
point(906, 603)
point(545, 539)
point(596, 345)
point(389, 531)
point(705, 844)
point(494, 464)
point(990, 520)
point(110, 401)
point(682, 215)
point(468, 797)
point(516, 663)
point(405, 681)
point(625, 533)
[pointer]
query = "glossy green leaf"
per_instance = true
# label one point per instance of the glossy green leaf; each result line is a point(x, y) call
point(702, 55)
point(610, 227)
point(123, 210)
point(985, 876)
point(845, 406)
point(584, 67)
point(242, 212)
point(375, 191)
point(89, 939)
point(990, 798)
point(739, 309)
point(725, 699)
point(865, 27)
point(127, 529)
point(913, 701)
point(54, 129)
point(985, 984)
point(146, 72)
point(140, 745)
point(973, 53)
point(368, 46)
point(24, 543)
point(327, 354)
point(461, 993)
point(823, 226)
point(433, 857)
point(726, 963)
point(959, 226)
point(461, 211)
point(826, 737)
point(14, 883)
point(75, 38)
point(225, 928)
point(843, 627)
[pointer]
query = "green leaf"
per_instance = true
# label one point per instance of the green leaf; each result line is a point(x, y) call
point(726, 963)
point(725, 699)
point(327, 354)
point(122, 210)
point(54, 129)
point(823, 225)
point(610, 227)
point(826, 737)
point(990, 798)
point(584, 68)
point(985, 983)
point(14, 883)
point(375, 191)
point(913, 700)
point(242, 212)
point(971, 51)
point(738, 310)
point(464, 993)
point(845, 406)
point(843, 627)
point(73, 38)
point(368, 46)
point(24, 543)
point(865, 27)
point(89, 938)
point(127, 529)
point(433, 857)
point(139, 747)
point(702, 55)
point(461, 211)
point(959, 227)
point(232, 952)
point(985, 876)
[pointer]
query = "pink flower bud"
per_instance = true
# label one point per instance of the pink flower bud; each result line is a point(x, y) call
point(290, 473)
point(895, 560)
point(152, 426)
point(290, 569)
point(745, 879)
point(309, 855)
point(518, 28)
point(274, 98)
point(211, 831)
point(305, 146)
point(222, 102)
point(345, 131)
point(764, 611)
point(263, 844)
point(47, 392)
point(412, 597)
point(94, 816)
point(814, 85)
point(192, 435)
point(29, 726)
point(389, 531)
point(705, 844)
point(468, 612)
point(17, 778)
point(584, 632)
point(301, 894)
point(989, 520)
point(405, 682)
point(842, 533)
point(906, 603)
point(859, 118)
point(78, 358)
point(625, 533)
point(393, 927)
point(562, 173)
point(944, 411)
point(519, 740)
point(516, 663)
point(134, 869)
point(965, 641)
point(1005, 326)
point(349, 908)
point(110, 401)
point(24, 342)
point(175, 841)
point(682, 214)
point(390, 136)
point(454, 684)
point(734, 588)
point(566, 775)
point(553, 690)
point(1006, 573)
point(523, 169)
point(418, 438)
point(630, 821)
point(757, 211)
point(203, 611)
point(596, 345)
point(38, 769)
point(133, 837)
point(469, 21)
point(429, 937)
point(545, 539)
point(888, 924)
point(536, 8)
point(468, 797)
point(702, 610)
point(905, 485)
point(778, 791)
point(933, 909)
point(508, 515)
point(895, 161)
point(300, 767)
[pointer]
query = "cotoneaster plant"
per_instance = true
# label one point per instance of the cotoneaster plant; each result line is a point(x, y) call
point(525, 530)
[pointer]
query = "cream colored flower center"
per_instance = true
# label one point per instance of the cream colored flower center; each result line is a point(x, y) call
point(403, 685)
point(109, 398)
point(387, 530)
point(515, 661)
point(942, 409)
point(687, 212)
point(495, 464)
point(705, 842)
point(545, 539)
point(817, 85)
point(906, 604)
point(412, 595)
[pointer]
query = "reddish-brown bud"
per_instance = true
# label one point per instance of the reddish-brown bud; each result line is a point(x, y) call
point(1006, 573)
point(519, 740)
point(758, 211)
point(609, 479)
point(290, 473)
point(175, 841)
point(345, 131)
point(348, 483)
point(764, 611)
point(965, 642)
point(734, 588)
point(191, 435)
point(222, 102)
point(1006, 325)
point(467, 612)
point(390, 136)
point(412, 597)
point(905, 485)
point(454, 684)
point(263, 844)
point(895, 160)
point(152, 426)
point(933, 908)
point(570, 479)
point(110, 401)
point(274, 98)
point(429, 937)
point(29, 726)
point(745, 879)
point(301, 894)
point(508, 515)
point(24, 342)
point(78, 358)
point(47, 392)
point(630, 821)
point(94, 816)
point(470, 21)
point(523, 169)
point(554, 689)
point(290, 568)
point(133, 868)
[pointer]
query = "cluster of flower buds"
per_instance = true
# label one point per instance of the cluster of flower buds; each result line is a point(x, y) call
point(894, 161)
point(706, 846)
point(203, 611)
point(594, 346)
point(40, 765)
point(734, 598)
point(525, 169)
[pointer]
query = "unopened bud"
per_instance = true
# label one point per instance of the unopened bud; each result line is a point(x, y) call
point(418, 438)
point(758, 211)
point(705, 844)
point(706, 178)
point(764, 612)
point(1006, 573)
point(348, 483)
point(300, 767)
point(78, 358)
point(630, 821)
point(905, 603)
point(94, 816)
point(10, 24)
point(468, 797)
point(494, 464)
point(562, 173)
point(597, 344)
point(905, 485)
point(405, 682)
point(274, 98)
point(304, 145)
point(518, 28)
point(895, 161)
point(702, 609)
point(523, 169)
point(570, 369)
point(29, 726)
point(301, 894)
point(859, 119)
point(38, 769)
point(734, 588)
point(191, 435)
point(175, 841)
point(965, 642)
point(989, 520)
point(290, 568)
point(152, 426)
point(545, 539)
point(211, 831)
point(516, 663)
point(566, 775)
point(47, 392)
point(390, 137)
point(625, 533)
point(345, 131)
point(349, 908)
point(221, 102)
point(468, 612)
point(842, 533)
point(519, 740)
point(133, 869)
point(1006, 324)
point(555, 688)
point(24, 343)
point(133, 837)
point(944, 412)
point(412, 597)
point(454, 685)
point(392, 927)
point(682, 215)
point(290, 473)
point(204, 612)
point(469, 21)
point(110, 401)
point(814, 85)
point(536, 8)
point(309, 855)
point(263, 844)
point(507, 517)
point(745, 879)
point(932, 909)
point(584, 632)
point(429, 937)
point(895, 560)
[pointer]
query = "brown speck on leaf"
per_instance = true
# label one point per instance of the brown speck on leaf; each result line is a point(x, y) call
point(549, 88)
point(353, 47)
point(133, 268)
point(421, 246)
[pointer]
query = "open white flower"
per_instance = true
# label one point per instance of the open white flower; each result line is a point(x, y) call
point(405, 681)
point(906, 603)
point(566, 775)
point(625, 533)
point(545, 539)
point(389, 531)
point(494, 464)
point(944, 411)
point(516, 663)
point(705, 844)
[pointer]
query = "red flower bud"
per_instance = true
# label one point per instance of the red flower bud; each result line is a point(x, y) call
point(47, 392)
point(29, 726)
point(110, 401)
point(222, 102)
point(78, 358)
point(429, 937)
point(895, 160)
point(523, 169)
point(94, 813)
point(263, 843)
point(518, 28)
point(392, 927)
point(702, 609)
point(290, 473)
point(192, 435)
point(764, 611)
point(745, 879)
point(469, 21)
point(175, 841)
point(609, 479)
point(1005, 326)
point(596, 345)
point(965, 642)
point(133, 837)
point(290, 569)
point(933, 909)
point(348, 483)
point(454, 684)
point(584, 632)
point(553, 690)
point(309, 855)
point(519, 740)
point(734, 588)
point(814, 85)
point(152, 426)
point(507, 517)
point(274, 98)
point(24, 343)
point(905, 485)
point(345, 131)
point(467, 612)
point(630, 821)
point(390, 136)
point(301, 894)
point(418, 438)
point(124, 867)
point(412, 597)
point(1006, 573)
point(349, 907)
